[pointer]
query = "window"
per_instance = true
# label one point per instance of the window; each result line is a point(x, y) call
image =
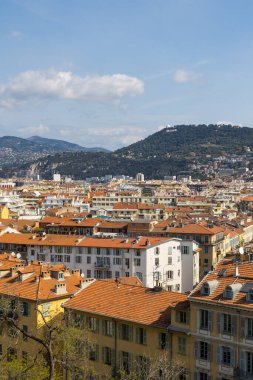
point(205, 320)
point(163, 341)
point(177, 287)
point(206, 250)
point(127, 262)
point(205, 289)
point(117, 274)
point(108, 328)
point(67, 259)
point(78, 259)
point(127, 274)
point(203, 376)
point(137, 262)
point(89, 250)
point(185, 250)
point(157, 261)
point(88, 259)
point(181, 316)
point(117, 261)
point(59, 258)
point(141, 335)
point(249, 362)
point(181, 345)
point(178, 272)
point(125, 361)
point(205, 261)
point(125, 332)
point(93, 324)
point(249, 328)
point(203, 349)
point(170, 260)
point(107, 355)
point(228, 293)
point(25, 329)
point(137, 253)
point(157, 250)
point(227, 324)
point(25, 309)
point(11, 354)
point(226, 356)
point(98, 251)
point(94, 353)
point(170, 274)
point(250, 295)
point(206, 239)
point(88, 273)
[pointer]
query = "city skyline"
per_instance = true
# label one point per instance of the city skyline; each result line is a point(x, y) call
point(110, 74)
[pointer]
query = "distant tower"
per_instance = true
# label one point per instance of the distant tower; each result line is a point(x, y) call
point(140, 177)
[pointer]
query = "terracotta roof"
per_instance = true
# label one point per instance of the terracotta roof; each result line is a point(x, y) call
point(227, 267)
point(131, 303)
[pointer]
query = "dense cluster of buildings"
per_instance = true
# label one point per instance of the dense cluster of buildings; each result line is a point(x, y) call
point(152, 266)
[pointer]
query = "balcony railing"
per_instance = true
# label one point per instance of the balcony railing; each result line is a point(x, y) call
point(102, 265)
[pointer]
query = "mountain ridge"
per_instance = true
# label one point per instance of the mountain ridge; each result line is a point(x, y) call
point(181, 149)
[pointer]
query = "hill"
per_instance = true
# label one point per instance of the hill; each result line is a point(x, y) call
point(61, 145)
point(14, 150)
point(171, 151)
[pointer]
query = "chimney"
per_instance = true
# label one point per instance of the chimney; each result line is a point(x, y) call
point(236, 269)
point(84, 283)
point(60, 288)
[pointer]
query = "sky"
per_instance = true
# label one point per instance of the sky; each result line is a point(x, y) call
point(111, 72)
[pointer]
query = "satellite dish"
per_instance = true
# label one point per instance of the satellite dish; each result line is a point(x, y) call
point(241, 250)
point(13, 254)
point(82, 275)
point(18, 255)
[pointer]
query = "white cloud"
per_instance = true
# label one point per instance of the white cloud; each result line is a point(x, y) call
point(187, 76)
point(41, 85)
point(16, 34)
point(40, 130)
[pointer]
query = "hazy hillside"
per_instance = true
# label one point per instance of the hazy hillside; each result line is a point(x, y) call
point(170, 151)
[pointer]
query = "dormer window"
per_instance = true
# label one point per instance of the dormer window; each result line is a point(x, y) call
point(209, 287)
point(228, 293)
point(205, 289)
point(250, 295)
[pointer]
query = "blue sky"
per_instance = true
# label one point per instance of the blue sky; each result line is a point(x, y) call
point(110, 72)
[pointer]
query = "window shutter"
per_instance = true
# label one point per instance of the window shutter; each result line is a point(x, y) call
point(113, 328)
point(130, 333)
point(103, 327)
point(197, 349)
point(103, 355)
point(137, 334)
point(120, 331)
point(28, 309)
point(177, 316)
point(97, 352)
point(97, 326)
point(144, 336)
point(243, 361)
point(218, 354)
point(219, 322)
point(234, 324)
point(210, 320)
point(113, 357)
point(243, 330)
point(188, 317)
point(232, 364)
point(209, 352)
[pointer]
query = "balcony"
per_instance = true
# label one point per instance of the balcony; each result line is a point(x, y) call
point(102, 265)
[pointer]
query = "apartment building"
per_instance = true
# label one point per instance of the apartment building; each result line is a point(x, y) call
point(36, 293)
point(130, 324)
point(170, 263)
point(222, 323)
